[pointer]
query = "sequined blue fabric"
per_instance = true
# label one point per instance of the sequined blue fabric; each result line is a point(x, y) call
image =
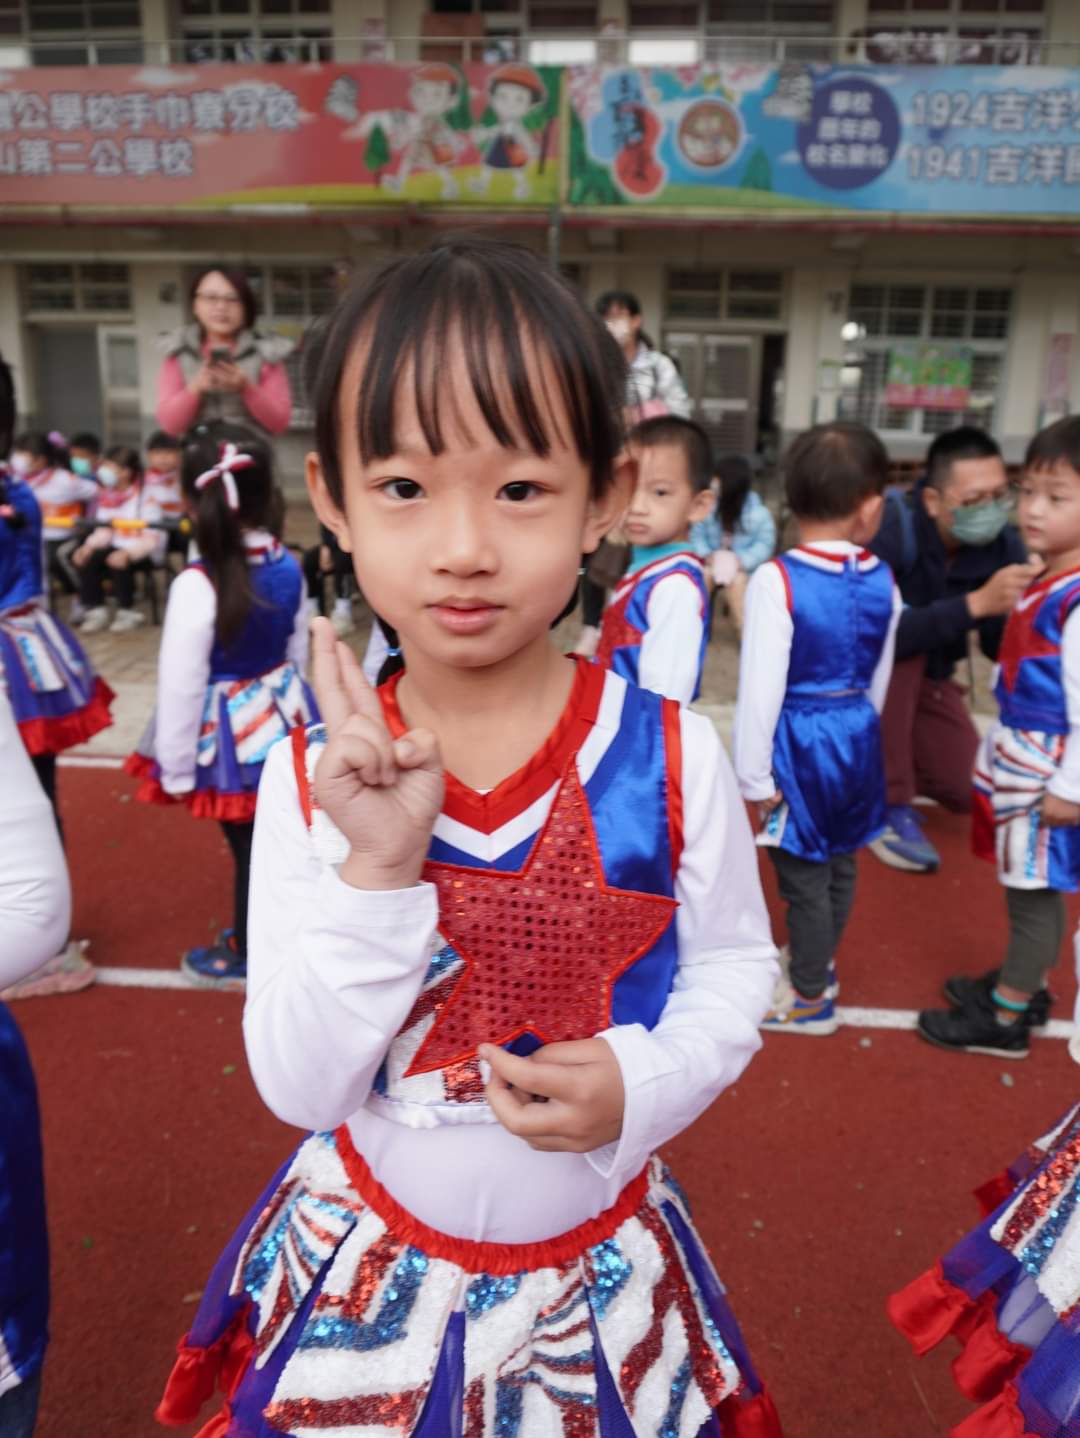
point(612, 1270)
point(327, 1330)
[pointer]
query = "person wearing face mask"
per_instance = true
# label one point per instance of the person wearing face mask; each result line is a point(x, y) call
point(654, 385)
point(65, 496)
point(961, 566)
point(118, 548)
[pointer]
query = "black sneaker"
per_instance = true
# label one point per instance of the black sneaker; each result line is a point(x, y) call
point(974, 1029)
point(959, 991)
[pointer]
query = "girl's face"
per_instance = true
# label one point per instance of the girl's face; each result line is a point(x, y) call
point(1050, 509)
point(23, 463)
point(116, 476)
point(218, 307)
point(473, 553)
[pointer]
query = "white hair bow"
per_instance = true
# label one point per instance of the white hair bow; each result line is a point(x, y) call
point(229, 459)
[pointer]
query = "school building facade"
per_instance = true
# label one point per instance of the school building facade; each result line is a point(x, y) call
point(803, 245)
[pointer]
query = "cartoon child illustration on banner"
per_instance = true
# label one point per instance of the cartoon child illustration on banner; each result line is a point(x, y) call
point(422, 137)
point(507, 145)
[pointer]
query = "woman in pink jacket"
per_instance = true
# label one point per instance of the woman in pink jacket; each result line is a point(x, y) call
point(219, 366)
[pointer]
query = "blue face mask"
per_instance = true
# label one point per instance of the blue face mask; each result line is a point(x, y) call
point(81, 466)
point(980, 524)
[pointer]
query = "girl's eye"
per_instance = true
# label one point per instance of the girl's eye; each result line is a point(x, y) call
point(518, 490)
point(402, 488)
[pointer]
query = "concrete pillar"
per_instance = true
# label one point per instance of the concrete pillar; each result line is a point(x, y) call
point(157, 30)
point(157, 301)
point(350, 20)
point(1062, 27)
point(815, 348)
point(1021, 387)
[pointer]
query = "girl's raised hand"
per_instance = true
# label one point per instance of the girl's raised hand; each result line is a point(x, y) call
point(384, 794)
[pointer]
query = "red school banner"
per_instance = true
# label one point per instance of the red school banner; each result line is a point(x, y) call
point(214, 136)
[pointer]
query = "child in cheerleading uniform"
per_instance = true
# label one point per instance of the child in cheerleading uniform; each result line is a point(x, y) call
point(500, 950)
point(816, 659)
point(65, 498)
point(230, 670)
point(1027, 778)
point(120, 545)
point(56, 698)
point(1010, 1293)
point(655, 629)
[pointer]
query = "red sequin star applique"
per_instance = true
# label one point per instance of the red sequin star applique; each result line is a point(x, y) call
point(542, 946)
point(1022, 640)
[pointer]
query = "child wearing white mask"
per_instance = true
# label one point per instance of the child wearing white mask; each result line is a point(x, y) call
point(120, 544)
point(654, 385)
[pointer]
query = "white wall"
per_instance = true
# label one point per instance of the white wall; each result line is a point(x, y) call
point(13, 340)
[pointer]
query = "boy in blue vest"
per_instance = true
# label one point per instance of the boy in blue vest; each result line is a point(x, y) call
point(816, 659)
point(656, 628)
point(1027, 780)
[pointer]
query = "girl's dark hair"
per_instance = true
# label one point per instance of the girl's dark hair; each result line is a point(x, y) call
point(736, 479)
point(240, 283)
point(618, 300)
point(160, 440)
point(126, 458)
point(36, 441)
point(7, 406)
point(219, 530)
point(830, 469)
point(14, 520)
point(500, 300)
point(85, 440)
point(1057, 443)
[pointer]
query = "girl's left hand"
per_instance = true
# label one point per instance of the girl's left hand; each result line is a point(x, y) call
point(564, 1098)
point(1058, 813)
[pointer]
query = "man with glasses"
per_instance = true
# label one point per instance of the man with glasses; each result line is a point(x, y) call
point(960, 565)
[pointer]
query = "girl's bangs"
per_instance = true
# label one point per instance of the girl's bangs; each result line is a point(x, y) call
point(530, 391)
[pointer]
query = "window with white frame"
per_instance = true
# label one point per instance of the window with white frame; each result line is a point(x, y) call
point(955, 32)
point(248, 31)
point(71, 32)
point(291, 298)
point(972, 318)
point(751, 296)
point(57, 288)
point(759, 31)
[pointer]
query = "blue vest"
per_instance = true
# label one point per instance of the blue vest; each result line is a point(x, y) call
point(1030, 688)
point(277, 584)
point(626, 620)
point(21, 572)
point(841, 617)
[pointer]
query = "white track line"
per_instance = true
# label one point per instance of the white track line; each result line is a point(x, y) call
point(852, 1018)
point(90, 761)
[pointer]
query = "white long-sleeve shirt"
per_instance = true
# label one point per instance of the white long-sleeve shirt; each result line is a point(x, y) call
point(1066, 782)
point(768, 630)
point(187, 640)
point(670, 662)
point(334, 971)
point(35, 894)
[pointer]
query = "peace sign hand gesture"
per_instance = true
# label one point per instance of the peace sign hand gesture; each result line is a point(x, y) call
point(384, 794)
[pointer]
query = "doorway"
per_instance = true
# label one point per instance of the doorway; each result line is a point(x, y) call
point(733, 382)
point(69, 396)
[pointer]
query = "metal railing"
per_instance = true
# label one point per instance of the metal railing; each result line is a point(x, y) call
point(270, 45)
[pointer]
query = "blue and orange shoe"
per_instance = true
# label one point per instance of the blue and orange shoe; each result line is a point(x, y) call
point(798, 1015)
point(216, 966)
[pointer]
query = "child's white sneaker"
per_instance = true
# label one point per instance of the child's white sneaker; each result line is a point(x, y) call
point(96, 620)
point(126, 620)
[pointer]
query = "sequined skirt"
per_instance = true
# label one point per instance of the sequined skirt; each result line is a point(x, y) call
point(241, 720)
point(57, 699)
point(334, 1310)
point(1011, 774)
point(1010, 1292)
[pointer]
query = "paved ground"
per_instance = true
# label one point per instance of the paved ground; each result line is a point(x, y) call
point(833, 1172)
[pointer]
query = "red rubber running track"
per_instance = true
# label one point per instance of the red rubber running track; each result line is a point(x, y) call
point(835, 1171)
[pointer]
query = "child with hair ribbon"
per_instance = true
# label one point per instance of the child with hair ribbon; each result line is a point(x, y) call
point(230, 671)
point(500, 951)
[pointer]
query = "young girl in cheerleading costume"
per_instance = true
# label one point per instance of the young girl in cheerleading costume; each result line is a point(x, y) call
point(816, 659)
point(499, 951)
point(1027, 779)
point(655, 630)
point(230, 670)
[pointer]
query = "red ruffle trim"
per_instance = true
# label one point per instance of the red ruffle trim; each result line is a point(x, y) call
point(750, 1418)
point(198, 1371)
point(994, 1193)
point(54, 735)
point(999, 1419)
point(931, 1308)
point(982, 827)
point(203, 803)
point(498, 1259)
